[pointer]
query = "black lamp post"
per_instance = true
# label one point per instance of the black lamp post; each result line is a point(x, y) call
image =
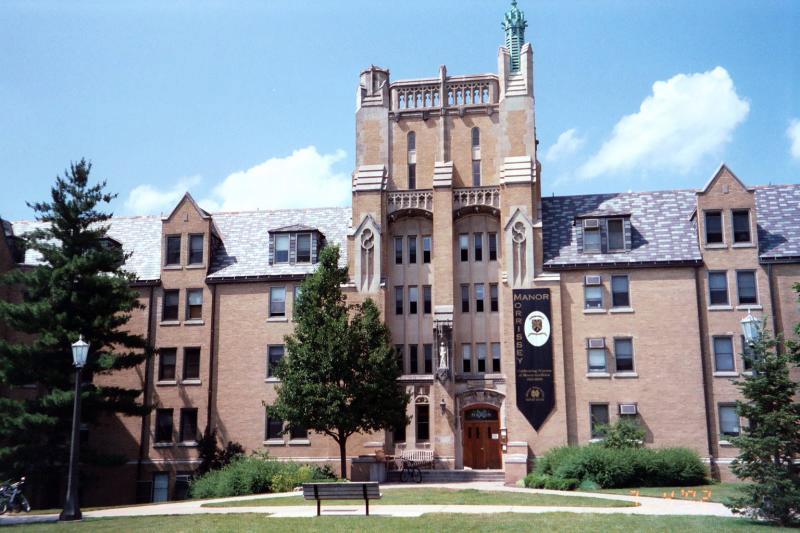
point(72, 511)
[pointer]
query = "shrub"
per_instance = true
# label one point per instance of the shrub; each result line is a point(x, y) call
point(554, 483)
point(547, 464)
point(623, 434)
point(536, 481)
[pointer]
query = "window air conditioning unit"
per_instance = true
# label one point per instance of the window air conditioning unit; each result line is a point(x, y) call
point(591, 223)
point(592, 280)
point(627, 409)
point(596, 343)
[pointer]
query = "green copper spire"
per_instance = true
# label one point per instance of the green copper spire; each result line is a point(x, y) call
point(514, 25)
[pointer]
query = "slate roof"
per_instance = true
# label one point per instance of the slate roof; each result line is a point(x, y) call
point(778, 216)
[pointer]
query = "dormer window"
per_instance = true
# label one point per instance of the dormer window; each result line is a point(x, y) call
point(282, 248)
point(603, 233)
point(616, 235)
point(714, 227)
point(304, 248)
point(196, 249)
point(591, 236)
point(173, 255)
point(741, 226)
point(294, 245)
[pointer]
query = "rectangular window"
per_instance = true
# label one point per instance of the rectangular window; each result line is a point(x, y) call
point(412, 249)
point(274, 356)
point(297, 291)
point(623, 355)
point(170, 311)
point(728, 421)
point(194, 304)
point(477, 240)
point(723, 354)
point(463, 245)
point(741, 225)
point(298, 433)
point(166, 364)
point(413, 298)
point(412, 175)
point(714, 227)
point(427, 244)
point(163, 425)
point(747, 354)
point(620, 296)
point(476, 173)
point(492, 246)
point(195, 249)
point(746, 286)
point(465, 298)
point(591, 240)
point(400, 352)
point(427, 352)
point(282, 248)
point(399, 434)
point(718, 288)
point(423, 423)
point(398, 300)
point(597, 360)
point(479, 297)
point(304, 248)
point(160, 486)
point(466, 358)
point(277, 301)
point(599, 418)
point(398, 250)
point(495, 357)
point(493, 297)
point(480, 348)
point(188, 425)
point(413, 358)
point(272, 428)
point(616, 236)
point(191, 363)
point(426, 299)
point(593, 296)
point(173, 250)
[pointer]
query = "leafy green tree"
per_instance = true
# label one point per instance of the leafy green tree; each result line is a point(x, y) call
point(770, 444)
point(623, 434)
point(79, 288)
point(340, 373)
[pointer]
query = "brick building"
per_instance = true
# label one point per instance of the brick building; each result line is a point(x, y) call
point(638, 295)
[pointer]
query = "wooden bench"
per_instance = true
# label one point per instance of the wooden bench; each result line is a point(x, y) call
point(341, 491)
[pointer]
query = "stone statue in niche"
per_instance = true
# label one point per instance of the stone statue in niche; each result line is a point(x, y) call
point(443, 372)
point(518, 239)
point(367, 257)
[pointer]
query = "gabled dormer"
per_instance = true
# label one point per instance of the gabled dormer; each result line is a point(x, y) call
point(295, 245)
point(726, 212)
point(603, 232)
point(186, 236)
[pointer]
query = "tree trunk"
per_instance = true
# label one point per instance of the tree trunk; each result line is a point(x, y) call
point(343, 456)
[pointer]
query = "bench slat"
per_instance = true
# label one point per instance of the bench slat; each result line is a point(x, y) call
point(341, 491)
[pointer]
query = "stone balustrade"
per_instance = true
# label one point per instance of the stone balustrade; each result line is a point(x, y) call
point(459, 91)
point(476, 196)
point(418, 199)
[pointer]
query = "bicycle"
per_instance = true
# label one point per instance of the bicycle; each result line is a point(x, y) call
point(410, 472)
point(11, 498)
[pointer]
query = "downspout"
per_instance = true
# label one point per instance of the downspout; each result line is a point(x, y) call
point(776, 323)
point(143, 441)
point(211, 356)
point(706, 391)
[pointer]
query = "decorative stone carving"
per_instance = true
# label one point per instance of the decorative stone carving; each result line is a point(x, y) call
point(519, 250)
point(421, 200)
point(443, 333)
point(367, 251)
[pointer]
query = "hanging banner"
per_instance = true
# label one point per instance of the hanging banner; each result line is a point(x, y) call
point(533, 352)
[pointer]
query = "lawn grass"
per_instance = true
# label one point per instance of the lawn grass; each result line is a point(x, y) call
point(561, 522)
point(438, 496)
point(720, 492)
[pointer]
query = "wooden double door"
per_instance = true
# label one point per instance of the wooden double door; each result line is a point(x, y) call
point(481, 438)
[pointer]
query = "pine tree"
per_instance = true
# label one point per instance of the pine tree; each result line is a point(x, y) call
point(770, 444)
point(78, 288)
point(340, 373)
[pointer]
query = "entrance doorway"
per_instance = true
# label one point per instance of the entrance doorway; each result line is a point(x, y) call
point(481, 438)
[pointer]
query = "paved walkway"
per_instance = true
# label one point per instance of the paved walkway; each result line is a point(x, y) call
point(647, 506)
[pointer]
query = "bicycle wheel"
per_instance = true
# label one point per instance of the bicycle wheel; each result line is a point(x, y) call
point(417, 475)
point(405, 475)
point(3, 506)
point(23, 503)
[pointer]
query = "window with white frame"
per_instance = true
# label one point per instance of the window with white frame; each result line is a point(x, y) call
point(277, 301)
point(728, 420)
point(495, 357)
point(593, 296)
point(620, 292)
point(598, 417)
point(746, 287)
point(741, 226)
point(616, 235)
point(413, 298)
point(480, 349)
point(623, 354)
point(718, 288)
point(282, 248)
point(304, 248)
point(591, 239)
point(596, 355)
point(713, 220)
point(466, 358)
point(479, 297)
point(723, 354)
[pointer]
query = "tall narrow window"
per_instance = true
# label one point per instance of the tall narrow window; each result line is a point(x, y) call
point(163, 425)
point(596, 357)
point(166, 364)
point(413, 298)
point(277, 301)
point(741, 225)
point(713, 227)
point(616, 238)
point(476, 157)
point(480, 348)
point(188, 431)
point(728, 421)
point(194, 304)
point(723, 354)
point(427, 351)
point(476, 172)
point(412, 159)
point(717, 288)
point(620, 296)
point(593, 296)
point(466, 358)
point(398, 250)
point(191, 363)
point(465, 298)
point(304, 248)
point(170, 310)
point(623, 355)
point(413, 358)
point(479, 297)
point(274, 356)
point(598, 414)
point(412, 249)
point(423, 422)
point(495, 357)
point(476, 137)
point(173, 255)
point(477, 240)
point(746, 286)
point(426, 248)
point(398, 300)
point(463, 245)
point(195, 249)
point(591, 240)
point(273, 428)
point(282, 248)
point(493, 297)
point(492, 246)
point(426, 299)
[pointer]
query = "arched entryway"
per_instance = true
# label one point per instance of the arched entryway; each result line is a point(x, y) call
point(481, 437)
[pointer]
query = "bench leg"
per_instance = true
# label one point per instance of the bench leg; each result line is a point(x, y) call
point(318, 505)
point(367, 501)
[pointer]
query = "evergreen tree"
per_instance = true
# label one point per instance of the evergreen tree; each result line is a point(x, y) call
point(340, 373)
point(79, 288)
point(770, 445)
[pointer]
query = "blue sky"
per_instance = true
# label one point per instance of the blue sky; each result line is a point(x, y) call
point(252, 103)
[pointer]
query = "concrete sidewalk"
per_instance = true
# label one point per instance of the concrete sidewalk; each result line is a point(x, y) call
point(647, 506)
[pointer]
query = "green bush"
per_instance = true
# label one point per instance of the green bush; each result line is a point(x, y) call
point(623, 434)
point(536, 481)
point(547, 464)
point(555, 483)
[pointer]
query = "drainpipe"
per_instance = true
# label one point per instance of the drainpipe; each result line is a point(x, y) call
point(143, 441)
point(211, 356)
point(776, 323)
point(706, 391)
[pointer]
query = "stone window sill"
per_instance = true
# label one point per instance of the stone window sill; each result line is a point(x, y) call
point(743, 245)
point(594, 311)
point(191, 381)
point(625, 375)
point(421, 378)
point(163, 445)
point(373, 444)
point(726, 443)
point(726, 374)
point(716, 246)
point(195, 267)
point(720, 308)
point(274, 442)
point(749, 307)
point(622, 309)
point(271, 380)
point(299, 442)
point(596, 440)
point(188, 444)
point(194, 322)
point(173, 267)
point(163, 382)
point(598, 375)
point(170, 322)
point(277, 319)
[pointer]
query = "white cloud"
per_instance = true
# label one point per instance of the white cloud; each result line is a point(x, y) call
point(566, 144)
point(305, 178)
point(686, 118)
point(793, 132)
point(147, 200)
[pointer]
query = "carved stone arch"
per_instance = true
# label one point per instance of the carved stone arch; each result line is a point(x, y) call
point(481, 397)
point(367, 252)
point(518, 239)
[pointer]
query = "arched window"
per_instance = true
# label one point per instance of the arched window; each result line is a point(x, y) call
point(476, 157)
point(411, 142)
